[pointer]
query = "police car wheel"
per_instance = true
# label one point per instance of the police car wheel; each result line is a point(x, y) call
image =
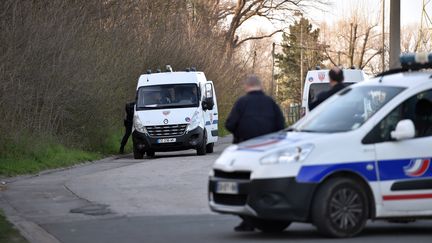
point(201, 149)
point(268, 226)
point(340, 208)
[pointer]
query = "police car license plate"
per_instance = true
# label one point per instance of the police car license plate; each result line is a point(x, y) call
point(227, 187)
point(166, 140)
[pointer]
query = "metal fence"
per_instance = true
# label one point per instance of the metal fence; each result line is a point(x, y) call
point(292, 114)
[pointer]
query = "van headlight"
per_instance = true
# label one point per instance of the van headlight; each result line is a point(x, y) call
point(293, 154)
point(195, 121)
point(138, 125)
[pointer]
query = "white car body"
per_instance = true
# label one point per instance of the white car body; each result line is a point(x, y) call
point(317, 81)
point(175, 126)
point(396, 174)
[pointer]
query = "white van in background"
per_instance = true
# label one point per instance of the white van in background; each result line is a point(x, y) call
point(174, 111)
point(317, 81)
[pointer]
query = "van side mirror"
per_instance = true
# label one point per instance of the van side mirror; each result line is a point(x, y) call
point(404, 130)
point(207, 104)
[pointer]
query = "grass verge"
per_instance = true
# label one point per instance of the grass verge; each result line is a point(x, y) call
point(43, 157)
point(8, 234)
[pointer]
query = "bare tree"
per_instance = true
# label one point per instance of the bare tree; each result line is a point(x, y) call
point(238, 12)
point(353, 40)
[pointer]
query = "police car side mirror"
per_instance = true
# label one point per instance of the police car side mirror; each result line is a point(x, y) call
point(404, 130)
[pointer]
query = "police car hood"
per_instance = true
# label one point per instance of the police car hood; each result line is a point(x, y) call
point(246, 155)
point(166, 116)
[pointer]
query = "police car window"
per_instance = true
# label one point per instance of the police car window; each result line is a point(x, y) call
point(168, 96)
point(349, 109)
point(417, 108)
point(316, 88)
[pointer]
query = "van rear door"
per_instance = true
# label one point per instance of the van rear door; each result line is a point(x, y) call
point(211, 115)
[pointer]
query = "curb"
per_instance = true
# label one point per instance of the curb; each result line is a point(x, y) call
point(29, 230)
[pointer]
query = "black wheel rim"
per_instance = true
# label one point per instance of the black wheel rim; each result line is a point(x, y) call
point(346, 209)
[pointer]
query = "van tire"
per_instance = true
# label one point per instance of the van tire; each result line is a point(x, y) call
point(137, 153)
point(151, 153)
point(202, 148)
point(340, 208)
point(210, 148)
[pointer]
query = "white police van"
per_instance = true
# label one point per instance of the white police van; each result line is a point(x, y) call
point(317, 81)
point(364, 153)
point(174, 111)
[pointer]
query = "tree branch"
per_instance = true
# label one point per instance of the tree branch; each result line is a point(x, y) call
point(257, 37)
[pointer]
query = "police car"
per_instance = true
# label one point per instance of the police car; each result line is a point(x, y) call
point(365, 153)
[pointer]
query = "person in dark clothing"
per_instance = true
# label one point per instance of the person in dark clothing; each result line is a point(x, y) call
point(128, 122)
point(253, 115)
point(336, 83)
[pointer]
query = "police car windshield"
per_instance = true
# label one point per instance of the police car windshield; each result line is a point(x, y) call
point(349, 109)
point(167, 96)
point(316, 88)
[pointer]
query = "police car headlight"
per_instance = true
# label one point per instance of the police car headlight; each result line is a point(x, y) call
point(138, 125)
point(195, 121)
point(290, 155)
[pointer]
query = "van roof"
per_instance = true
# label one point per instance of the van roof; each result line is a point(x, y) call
point(321, 76)
point(170, 78)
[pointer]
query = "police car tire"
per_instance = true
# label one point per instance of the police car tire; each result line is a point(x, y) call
point(137, 153)
point(202, 148)
point(322, 208)
point(151, 153)
point(210, 148)
point(269, 226)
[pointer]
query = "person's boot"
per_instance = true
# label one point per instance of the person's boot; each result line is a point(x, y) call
point(244, 227)
point(121, 150)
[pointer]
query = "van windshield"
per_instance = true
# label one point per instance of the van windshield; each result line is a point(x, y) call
point(317, 88)
point(347, 110)
point(167, 96)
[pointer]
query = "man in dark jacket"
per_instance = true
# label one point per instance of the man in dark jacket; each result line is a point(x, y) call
point(336, 84)
point(128, 122)
point(253, 115)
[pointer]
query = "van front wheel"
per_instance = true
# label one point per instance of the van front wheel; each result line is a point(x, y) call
point(202, 148)
point(210, 148)
point(137, 153)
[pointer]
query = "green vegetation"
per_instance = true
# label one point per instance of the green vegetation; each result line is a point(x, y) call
point(300, 44)
point(8, 234)
point(42, 156)
point(32, 155)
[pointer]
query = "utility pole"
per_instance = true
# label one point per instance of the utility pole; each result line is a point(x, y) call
point(383, 37)
point(253, 61)
point(394, 33)
point(301, 58)
point(273, 68)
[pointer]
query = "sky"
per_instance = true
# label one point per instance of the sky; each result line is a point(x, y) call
point(410, 10)
point(410, 13)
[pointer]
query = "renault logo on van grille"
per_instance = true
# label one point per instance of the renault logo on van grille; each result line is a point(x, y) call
point(165, 121)
point(166, 113)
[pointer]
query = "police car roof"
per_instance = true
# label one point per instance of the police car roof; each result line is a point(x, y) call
point(404, 79)
point(170, 78)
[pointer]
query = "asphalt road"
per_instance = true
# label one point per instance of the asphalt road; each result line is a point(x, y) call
point(152, 200)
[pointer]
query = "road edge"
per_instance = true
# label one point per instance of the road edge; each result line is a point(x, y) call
point(31, 231)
